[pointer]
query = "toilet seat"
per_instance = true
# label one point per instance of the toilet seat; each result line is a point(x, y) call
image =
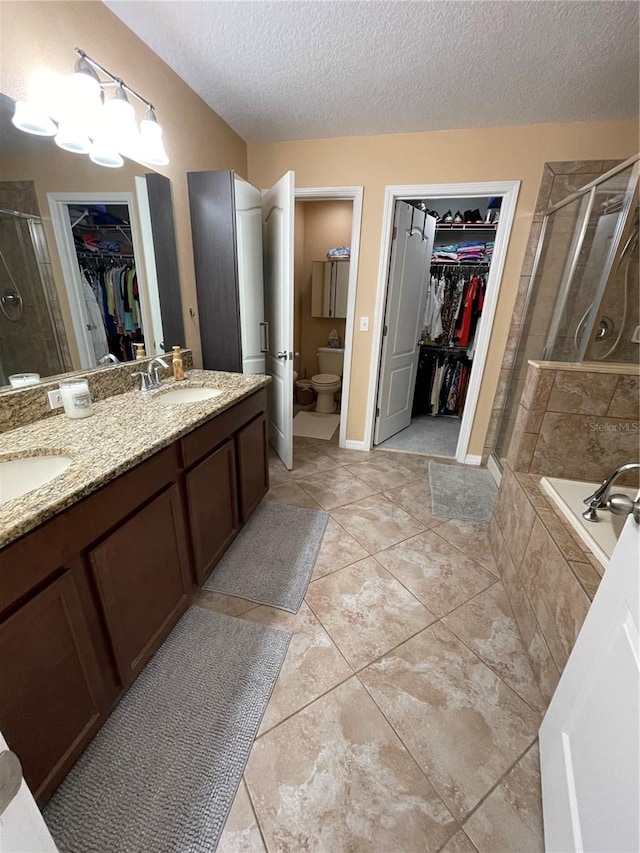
point(325, 379)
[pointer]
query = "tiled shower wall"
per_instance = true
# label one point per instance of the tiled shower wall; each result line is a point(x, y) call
point(559, 180)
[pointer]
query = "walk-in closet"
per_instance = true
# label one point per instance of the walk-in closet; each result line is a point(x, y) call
point(453, 270)
point(110, 294)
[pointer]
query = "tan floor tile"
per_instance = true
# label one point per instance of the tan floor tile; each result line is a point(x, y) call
point(383, 472)
point(227, 604)
point(460, 844)
point(487, 626)
point(335, 488)
point(460, 722)
point(308, 459)
point(365, 611)
point(376, 523)
point(338, 549)
point(290, 493)
point(343, 456)
point(241, 833)
point(435, 572)
point(415, 498)
point(335, 777)
point(277, 471)
point(511, 816)
point(417, 462)
point(472, 538)
point(313, 664)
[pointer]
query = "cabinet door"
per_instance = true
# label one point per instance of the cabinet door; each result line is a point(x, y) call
point(142, 575)
point(341, 289)
point(213, 507)
point(50, 689)
point(253, 465)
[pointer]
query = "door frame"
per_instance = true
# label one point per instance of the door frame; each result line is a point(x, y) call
point(58, 203)
point(508, 190)
point(355, 195)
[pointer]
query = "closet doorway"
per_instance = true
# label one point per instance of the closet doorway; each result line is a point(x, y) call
point(103, 265)
point(443, 254)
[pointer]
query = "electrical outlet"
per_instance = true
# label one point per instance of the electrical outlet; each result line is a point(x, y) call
point(364, 324)
point(55, 398)
point(635, 337)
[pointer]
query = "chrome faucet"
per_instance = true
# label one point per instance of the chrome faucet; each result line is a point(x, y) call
point(600, 498)
point(109, 358)
point(150, 380)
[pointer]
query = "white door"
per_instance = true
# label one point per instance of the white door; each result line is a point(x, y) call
point(404, 316)
point(589, 738)
point(250, 276)
point(277, 242)
point(22, 828)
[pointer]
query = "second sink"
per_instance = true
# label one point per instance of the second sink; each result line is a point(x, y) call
point(19, 476)
point(187, 395)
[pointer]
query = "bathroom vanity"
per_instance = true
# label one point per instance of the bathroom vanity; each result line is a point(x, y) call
point(98, 565)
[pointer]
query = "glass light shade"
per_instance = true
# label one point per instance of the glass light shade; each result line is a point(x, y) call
point(80, 98)
point(45, 92)
point(72, 136)
point(29, 118)
point(119, 122)
point(102, 154)
point(152, 149)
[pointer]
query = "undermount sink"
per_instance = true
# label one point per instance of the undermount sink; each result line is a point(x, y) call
point(187, 395)
point(19, 476)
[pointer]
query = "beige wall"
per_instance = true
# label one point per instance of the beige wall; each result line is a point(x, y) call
point(507, 153)
point(326, 224)
point(42, 35)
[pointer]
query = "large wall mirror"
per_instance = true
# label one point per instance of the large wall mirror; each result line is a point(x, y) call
point(88, 266)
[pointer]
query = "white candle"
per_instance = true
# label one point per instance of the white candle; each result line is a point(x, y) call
point(21, 380)
point(76, 398)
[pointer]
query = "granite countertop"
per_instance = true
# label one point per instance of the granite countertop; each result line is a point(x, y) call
point(125, 430)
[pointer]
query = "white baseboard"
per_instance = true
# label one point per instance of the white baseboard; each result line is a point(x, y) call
point(352, 444)
point(470, 459)
point(494, 468)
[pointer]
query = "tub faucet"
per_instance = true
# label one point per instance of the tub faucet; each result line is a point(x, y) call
point(600, 498)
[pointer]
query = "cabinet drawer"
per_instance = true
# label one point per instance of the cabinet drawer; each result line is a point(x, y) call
point(213, 507)
point(50, 687)
point(142, 576)
point(200, 442)
point(253, 465)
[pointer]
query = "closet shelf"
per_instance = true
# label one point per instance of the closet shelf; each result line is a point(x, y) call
point(461, 264)
point(466, 226)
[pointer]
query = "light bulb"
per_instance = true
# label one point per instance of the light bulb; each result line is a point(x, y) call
point(152, 149)
point(29, 118)
point(119, 123)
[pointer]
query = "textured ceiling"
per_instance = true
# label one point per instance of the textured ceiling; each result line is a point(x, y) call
point(300, 70)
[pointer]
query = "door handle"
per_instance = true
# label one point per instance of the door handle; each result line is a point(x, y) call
point(281, 355)
point(264, 337)
point(10, 778)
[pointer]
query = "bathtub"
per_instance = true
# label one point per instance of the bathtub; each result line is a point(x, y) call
point(600, 536)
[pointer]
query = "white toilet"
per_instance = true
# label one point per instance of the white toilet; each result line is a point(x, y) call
point(326, 383)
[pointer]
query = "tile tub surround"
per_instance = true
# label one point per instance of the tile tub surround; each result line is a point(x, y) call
point(125, 429)
point(27, 405)
point(577, 421)
point(549, 574)
point(422, 738)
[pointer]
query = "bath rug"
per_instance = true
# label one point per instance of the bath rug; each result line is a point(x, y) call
point(271, 560)
point(467, 494)
point(315, 425)
point(427, 435)
point(164, 769)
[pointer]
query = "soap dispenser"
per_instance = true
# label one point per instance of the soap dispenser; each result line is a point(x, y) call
point(178, 368)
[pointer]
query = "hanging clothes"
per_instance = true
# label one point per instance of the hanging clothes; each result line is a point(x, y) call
point(95, 321)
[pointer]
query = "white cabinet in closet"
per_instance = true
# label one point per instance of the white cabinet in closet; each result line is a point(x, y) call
point(329, 288)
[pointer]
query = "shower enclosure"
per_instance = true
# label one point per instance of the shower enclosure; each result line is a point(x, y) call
point(30, 328)
point(584, 299)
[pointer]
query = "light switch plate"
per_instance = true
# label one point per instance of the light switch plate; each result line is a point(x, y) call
point(55, 399)
point(364, 324)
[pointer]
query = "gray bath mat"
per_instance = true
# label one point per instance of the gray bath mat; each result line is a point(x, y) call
point(467, 494)
point(163, 771)
point(272, 559)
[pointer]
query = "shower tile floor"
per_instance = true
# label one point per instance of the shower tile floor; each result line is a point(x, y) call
point(434, 436)
point(406, 713)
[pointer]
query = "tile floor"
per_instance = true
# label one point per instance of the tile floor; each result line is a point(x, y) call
point(406, 713)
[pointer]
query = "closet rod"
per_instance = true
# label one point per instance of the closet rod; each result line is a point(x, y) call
point(110, 255)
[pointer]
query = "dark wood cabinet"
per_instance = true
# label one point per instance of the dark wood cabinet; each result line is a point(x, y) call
point(50, 685)
point(142, 577)
point(253, 465)
point(89, 596)
point(213, 507)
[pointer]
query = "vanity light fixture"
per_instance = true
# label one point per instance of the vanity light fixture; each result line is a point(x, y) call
point(82, 119)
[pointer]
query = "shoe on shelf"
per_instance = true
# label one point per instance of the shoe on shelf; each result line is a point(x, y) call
point(476, 216)
point(457, 219)
point(496, 218)
point(468, 216)
point(447, 218)
point(435, 215)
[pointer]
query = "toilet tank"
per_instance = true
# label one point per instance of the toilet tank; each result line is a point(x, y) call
point(330, 360)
